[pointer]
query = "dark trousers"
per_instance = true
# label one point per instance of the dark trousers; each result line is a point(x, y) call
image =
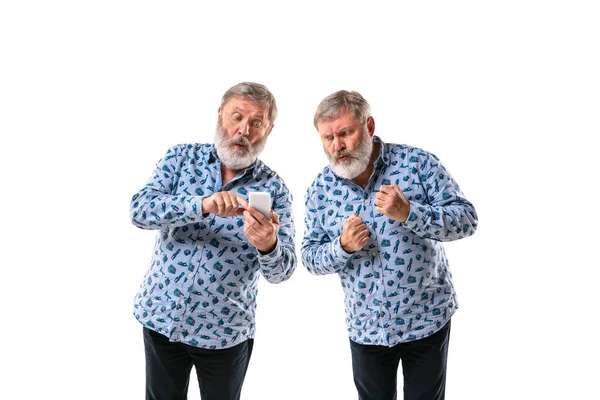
point(423, 364)
point(169, 364)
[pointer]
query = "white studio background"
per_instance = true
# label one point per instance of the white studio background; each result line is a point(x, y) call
point(505, 93)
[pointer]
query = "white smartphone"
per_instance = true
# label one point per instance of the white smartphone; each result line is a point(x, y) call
point(262, 202)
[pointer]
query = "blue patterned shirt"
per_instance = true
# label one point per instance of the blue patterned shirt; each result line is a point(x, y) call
point(201, 286)
point(398, 288)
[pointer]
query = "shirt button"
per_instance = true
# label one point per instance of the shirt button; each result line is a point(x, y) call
point(196, 219)
point(379, 282)
point(190, 275)
point(366, 201)
point(198, 247)
point(374, 254)
point(207, 220)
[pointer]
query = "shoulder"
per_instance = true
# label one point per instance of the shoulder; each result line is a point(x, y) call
point(409, 154)
point(191, 149)
point(323, 179)
point(188, 151)
point(272, 178)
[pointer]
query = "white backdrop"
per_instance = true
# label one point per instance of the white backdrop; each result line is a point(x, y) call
point(505, 93)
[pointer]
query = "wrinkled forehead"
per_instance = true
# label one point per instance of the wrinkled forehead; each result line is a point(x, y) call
point(246, 107)
point(343, 120)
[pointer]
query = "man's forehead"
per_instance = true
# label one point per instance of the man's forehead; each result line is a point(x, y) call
point(344, 119)
point(245, 106)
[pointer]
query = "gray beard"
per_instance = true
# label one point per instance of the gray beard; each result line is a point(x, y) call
point(358, 162)
point(233, 158)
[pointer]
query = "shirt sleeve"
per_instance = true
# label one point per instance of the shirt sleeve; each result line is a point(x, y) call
point(320, 254)
point(278, 265)
point(157, 205)
point(447, 215)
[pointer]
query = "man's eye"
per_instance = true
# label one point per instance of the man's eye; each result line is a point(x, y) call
point(236, 117)
point(329, 138)
point(257, 124)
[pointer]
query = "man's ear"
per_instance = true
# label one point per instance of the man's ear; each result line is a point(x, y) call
point(270, 129)
point(371, 126)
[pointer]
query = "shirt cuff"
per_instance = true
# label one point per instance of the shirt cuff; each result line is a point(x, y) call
point(199, 209)
point(414, 216)
point(193, 209)
point(338, 251)
point(266, 258)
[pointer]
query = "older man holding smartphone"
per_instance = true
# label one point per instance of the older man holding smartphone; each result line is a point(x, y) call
point(197, 302)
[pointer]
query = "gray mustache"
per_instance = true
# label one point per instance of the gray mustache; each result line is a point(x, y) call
point(341, 153)
point(240, 140)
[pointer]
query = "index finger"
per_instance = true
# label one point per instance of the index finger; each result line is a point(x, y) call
point(386, 189)
point(241, 201)
point(397, 188)
point(354, 220)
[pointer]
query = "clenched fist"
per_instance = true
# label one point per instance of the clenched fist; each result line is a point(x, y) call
point(224, 204)
point(355, 234)
point(391, 202)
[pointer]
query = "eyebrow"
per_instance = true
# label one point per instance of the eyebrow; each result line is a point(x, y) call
point(337, 132)
point(237, 109)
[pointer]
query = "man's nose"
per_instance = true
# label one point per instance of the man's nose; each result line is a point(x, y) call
point(338, 144)
point(244, 128)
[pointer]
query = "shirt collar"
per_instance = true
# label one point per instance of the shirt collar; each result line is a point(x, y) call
point(212, 154)
point(383, 151)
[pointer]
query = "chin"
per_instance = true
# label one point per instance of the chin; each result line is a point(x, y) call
point(343, 172)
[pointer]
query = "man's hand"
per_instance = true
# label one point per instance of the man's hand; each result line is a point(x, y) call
point(391, 202)
point(261, 232)
point(224, 204)
point(355, 234)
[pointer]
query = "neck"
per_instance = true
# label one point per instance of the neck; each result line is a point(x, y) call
point(363, 178)
point(227, 174)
